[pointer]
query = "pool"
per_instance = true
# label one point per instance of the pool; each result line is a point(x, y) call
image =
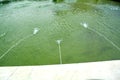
point(72, 31)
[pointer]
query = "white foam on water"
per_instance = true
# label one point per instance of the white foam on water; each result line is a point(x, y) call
point(58, 41)
point(85, 25)
point(59, 48)
point(35, 31)
point(3, 34)
point(114, 8)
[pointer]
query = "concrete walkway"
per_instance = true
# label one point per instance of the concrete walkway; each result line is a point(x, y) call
point(104, 70)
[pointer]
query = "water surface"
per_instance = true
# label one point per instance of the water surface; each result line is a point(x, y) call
point(59, 21)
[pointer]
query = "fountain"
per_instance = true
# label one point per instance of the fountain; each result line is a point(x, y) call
point(85, 25)
point(35, 31)
point(59, 47)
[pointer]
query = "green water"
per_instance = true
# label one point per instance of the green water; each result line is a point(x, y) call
point(59, 21)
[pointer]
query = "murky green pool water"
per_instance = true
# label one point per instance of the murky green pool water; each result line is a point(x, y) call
point(89, 30)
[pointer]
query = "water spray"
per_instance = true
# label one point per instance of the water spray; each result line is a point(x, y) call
point(3, 34)
point(35, 31)
point(85, 25)
point(59, 50)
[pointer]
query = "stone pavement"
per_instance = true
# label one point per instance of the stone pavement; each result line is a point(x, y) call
point(104, 70)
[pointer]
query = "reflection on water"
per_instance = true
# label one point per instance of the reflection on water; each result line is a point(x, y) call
point(71, 21)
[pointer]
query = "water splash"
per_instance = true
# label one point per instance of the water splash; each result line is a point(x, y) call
point(85, 25)
point(59, 50)
point(58, 41)
point(114, 8)
point(3, 34)
point(36, 30)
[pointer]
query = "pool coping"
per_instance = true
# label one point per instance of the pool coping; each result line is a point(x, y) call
point(103, 70)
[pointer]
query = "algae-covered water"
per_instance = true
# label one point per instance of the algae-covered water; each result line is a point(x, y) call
point(40, 32)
